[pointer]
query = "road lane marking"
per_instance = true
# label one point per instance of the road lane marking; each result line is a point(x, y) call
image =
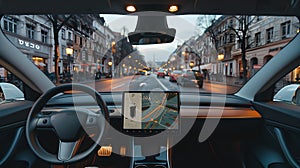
point(162, 85)
point(118, 86)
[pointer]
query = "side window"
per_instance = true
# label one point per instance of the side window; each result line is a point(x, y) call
point(11, 88)
point(286, 88)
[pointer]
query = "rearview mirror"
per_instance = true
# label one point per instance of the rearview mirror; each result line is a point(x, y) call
point(151, 28)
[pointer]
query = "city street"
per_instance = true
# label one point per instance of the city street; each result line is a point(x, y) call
point(151, 82)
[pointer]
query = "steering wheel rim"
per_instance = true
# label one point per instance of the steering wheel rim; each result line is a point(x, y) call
point(32, 122)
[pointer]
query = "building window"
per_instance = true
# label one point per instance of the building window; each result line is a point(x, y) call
point(224, 39)
point(63, 50)
point(239, 44)
point(248, 19)
point(285, 29)
point(63, 33)
point(248, 42)
point(269, 34)
point(230, 69)
point(231, 38)
point(44, 35)
point(230, 23)
point(69, 36)
point(10, 24)
point(30, 31)
point(76, 40)
point(257, 39)
point(258, 18)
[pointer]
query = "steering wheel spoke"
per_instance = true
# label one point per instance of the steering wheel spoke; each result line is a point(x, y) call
point(67, 150)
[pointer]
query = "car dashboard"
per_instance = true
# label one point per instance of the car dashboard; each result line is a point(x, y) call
point(226, 118)
point(205, 125)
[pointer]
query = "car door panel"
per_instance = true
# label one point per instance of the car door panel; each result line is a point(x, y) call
point(14, 114)
point(283, 127)
point(12, 138)
point(14, 151)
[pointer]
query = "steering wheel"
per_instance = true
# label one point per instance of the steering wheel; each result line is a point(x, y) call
point(67, 124)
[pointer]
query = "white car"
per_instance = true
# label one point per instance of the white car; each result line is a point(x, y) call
point(9, 92)
point(287, 93)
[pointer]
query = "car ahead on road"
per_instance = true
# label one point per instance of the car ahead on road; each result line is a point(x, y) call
point(167, 72)
point(139, 121)
point(190, 77)
point(161, 73)
point(142, 72)
point(174, 75)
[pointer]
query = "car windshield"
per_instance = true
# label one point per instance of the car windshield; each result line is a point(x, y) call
point(222, 52)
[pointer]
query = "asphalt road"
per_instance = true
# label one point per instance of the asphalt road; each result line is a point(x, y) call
point(151, 82)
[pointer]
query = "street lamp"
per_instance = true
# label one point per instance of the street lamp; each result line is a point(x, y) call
point(110, 68)
point(184, 53)
point(69, 52)
point(196, 54)
point(220, 71)
point(98, 66)
point(220, 57)
point(192, 64)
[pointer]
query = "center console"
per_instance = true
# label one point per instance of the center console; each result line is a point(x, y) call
point(151, 118)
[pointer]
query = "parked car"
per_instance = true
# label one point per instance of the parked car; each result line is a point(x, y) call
point(9, 92)
point(174, 75)
point(287, 93)
point(190, 78)
point(161, 73)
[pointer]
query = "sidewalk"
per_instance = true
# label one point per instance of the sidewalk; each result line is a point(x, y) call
point(231, 81)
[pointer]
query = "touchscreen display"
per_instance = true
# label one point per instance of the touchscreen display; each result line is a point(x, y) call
point(150, 110)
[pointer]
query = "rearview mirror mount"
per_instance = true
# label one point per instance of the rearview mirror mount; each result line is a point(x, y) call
point(151, 28)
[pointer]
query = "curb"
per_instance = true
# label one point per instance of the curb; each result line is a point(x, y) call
point(216, 82)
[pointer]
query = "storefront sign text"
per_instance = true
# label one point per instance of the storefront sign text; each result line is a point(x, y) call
point(29, 44)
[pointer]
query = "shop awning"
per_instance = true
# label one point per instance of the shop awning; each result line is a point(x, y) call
point(206, 66)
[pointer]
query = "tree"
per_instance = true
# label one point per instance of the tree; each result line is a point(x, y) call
point(58, 21)
point(205, 23)
point(240, 27)
point(241, 31)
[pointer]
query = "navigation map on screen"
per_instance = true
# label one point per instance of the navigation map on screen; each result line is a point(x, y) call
point(150, 110)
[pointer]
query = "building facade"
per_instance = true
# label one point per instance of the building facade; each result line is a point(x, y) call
point(32, 36)
point(88, 36)
point(220, 47)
